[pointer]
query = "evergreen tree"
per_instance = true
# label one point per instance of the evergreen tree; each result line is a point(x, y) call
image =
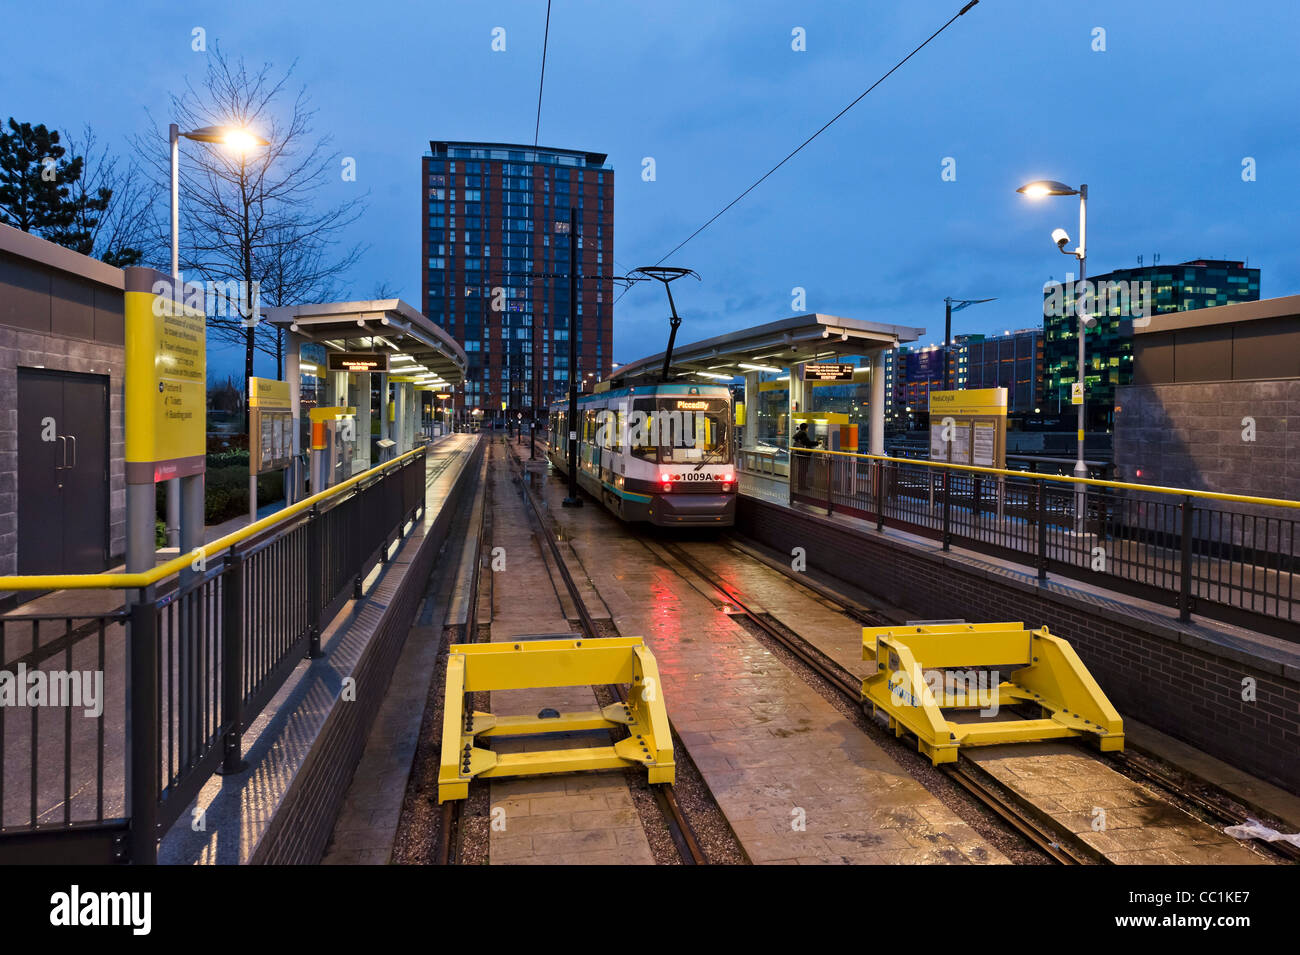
point(35, 176)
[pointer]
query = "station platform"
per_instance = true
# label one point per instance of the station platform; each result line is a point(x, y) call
point(1227, 691)
point(305, 746)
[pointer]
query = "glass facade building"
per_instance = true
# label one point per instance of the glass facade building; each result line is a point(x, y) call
point(1121, 298)
point(495, 263)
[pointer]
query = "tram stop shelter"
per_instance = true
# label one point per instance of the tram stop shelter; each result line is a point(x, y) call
point(809, 368)
point(385, 347)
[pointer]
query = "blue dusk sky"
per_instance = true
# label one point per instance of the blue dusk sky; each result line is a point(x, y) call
point(1158, 125)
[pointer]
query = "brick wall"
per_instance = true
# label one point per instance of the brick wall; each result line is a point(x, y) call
point(302, 825)
point(1191, 435)
point(1167, 676)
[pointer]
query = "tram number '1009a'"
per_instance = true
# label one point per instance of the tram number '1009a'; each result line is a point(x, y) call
point(698, 476)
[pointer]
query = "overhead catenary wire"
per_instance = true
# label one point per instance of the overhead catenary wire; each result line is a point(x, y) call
point(546, 36)
point(823, 129)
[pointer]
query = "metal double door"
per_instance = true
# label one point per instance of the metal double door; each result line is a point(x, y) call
point(62, 472)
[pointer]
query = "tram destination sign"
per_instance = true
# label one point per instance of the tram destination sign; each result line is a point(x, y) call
point(828, 371)
point(359, 361)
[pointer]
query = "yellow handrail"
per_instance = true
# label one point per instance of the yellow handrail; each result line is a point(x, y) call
point(175, 565)
point(1065, 479)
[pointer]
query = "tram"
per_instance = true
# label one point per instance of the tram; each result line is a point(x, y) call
point(654, 452)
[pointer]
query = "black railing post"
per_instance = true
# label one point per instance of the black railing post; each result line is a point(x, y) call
point(144, 783)
point(880, 495)
point(947, 508)
point(232, 663)
point(315, 602)
point(424, 483)
point(1042, 530)
point(1185, 582)
point(385, 493)
point(356, 505)
point(829, 462)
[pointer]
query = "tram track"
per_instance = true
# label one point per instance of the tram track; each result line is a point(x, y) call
point(679, 827)
point(1200, 797)
point(681, 833)
point(1168, 784)
point(1055, 845)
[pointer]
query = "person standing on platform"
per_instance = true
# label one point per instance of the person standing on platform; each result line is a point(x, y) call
point(802, 441)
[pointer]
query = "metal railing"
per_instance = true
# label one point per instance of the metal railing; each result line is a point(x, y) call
point(1226, 556)
point(184, 668)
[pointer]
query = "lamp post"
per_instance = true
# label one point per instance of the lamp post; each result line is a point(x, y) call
point(1037, 190)
point(185, 500)
point(954, 305)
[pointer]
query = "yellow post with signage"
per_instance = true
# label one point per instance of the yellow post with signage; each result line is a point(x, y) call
point(165, 404)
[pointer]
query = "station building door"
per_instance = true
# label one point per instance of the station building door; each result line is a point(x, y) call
point(62, 472)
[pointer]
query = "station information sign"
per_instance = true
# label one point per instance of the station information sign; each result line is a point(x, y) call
point(359, 361)
point(828, 371)
point(969, 427)
point(270, 422)
point(166, 379)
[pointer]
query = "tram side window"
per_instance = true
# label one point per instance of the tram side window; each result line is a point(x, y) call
point(642, 441)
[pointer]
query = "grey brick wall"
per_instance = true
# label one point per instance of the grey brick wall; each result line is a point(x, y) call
point(1190, 435)
point(1164, 675)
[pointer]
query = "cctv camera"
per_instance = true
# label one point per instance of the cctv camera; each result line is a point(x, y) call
point(1060, 237)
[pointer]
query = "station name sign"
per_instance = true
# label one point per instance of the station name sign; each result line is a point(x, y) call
point(828, 371)
point(359, 361)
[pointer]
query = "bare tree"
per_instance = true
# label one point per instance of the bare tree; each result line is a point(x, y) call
point(255, 217)
point(113, 217)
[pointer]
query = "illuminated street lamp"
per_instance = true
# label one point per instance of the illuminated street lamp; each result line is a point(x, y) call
point(237, 137)
point(1037, 190)
point(187, 533)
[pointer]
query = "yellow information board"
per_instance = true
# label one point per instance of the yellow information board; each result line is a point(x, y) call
point(166, 380)
point(969, 427)
point(270, 423)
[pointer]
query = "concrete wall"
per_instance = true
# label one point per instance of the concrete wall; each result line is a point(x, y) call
point(1184, 680)
point(60, 311)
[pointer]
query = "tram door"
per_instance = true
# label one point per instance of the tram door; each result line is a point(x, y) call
point(62, 472)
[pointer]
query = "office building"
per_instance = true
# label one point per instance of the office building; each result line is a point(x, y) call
point(1125, 297)
point(495, 263)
